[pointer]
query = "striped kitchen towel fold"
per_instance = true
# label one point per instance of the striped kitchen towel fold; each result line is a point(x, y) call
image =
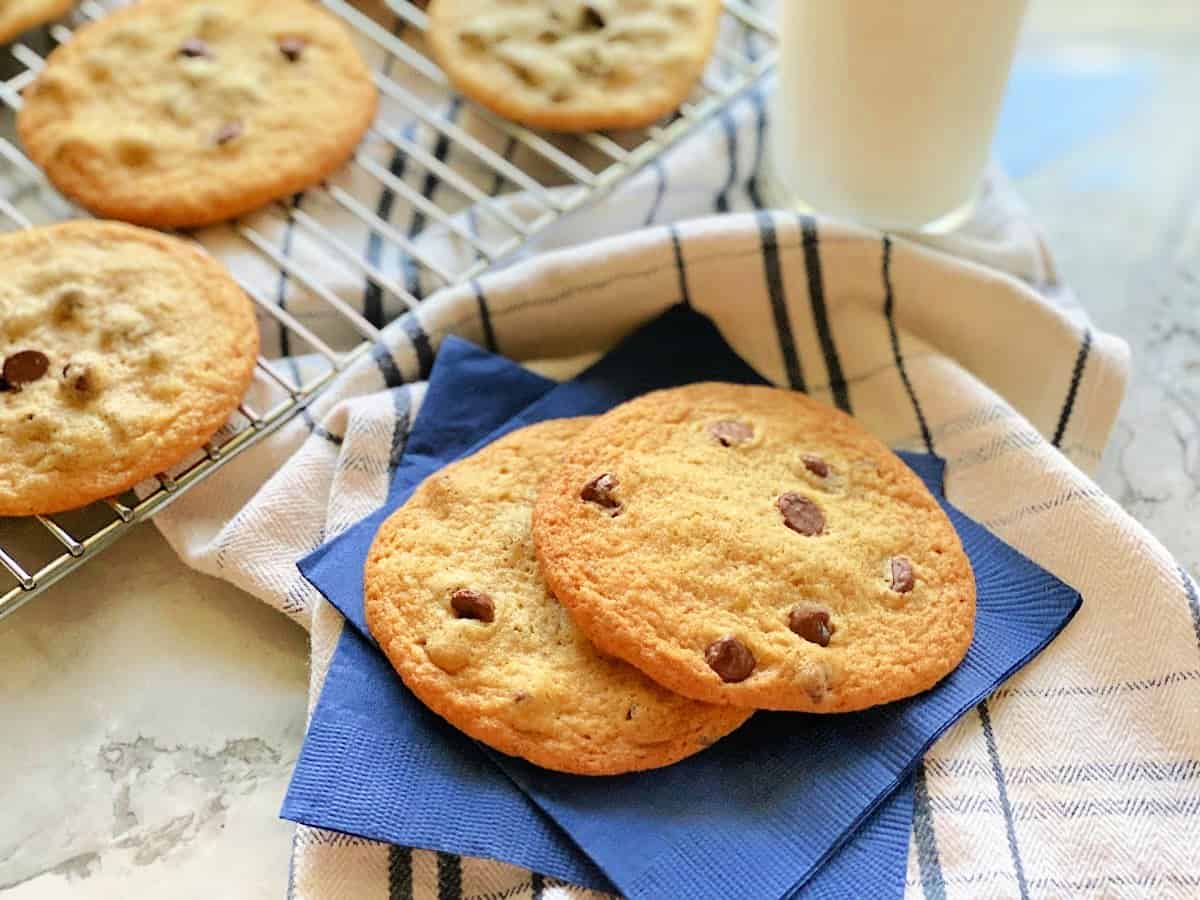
point(1082, 775)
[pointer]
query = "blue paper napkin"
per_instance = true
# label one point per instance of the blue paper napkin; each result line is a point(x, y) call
point(378, 764)
point(755, 816)
point(360, 773)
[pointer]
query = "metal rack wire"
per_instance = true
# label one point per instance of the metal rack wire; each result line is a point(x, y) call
point(449, 165)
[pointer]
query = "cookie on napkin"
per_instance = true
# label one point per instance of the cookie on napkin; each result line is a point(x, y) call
point(575, 65)
point(123, 351)
point(751, 546)
point(173, 113)
point(455, 600)
point(17, 16)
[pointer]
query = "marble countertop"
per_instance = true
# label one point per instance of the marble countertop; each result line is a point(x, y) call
point(152, 715)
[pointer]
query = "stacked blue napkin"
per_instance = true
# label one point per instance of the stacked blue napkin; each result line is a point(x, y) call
point(788, 805)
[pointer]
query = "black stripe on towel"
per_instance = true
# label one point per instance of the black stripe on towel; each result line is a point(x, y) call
point(783, 325)
point(291, 882)
point(685, 296)
point(889, 304)
point(933, 884)
point(1189, 589)
point(731, 147)
point(989, 737)
point(429, 185)
point(400, 872)
point(390, 372)
point(432, 181)
point(1085, 347)
point(485, 316)
point(281, 290)
point(420, 341)
point(753, 186)
point(816, 297)
point(335, 439)
point(660, 190)
point(498, 180)
point(449, 876)
point(402, 407)
point(373, 295)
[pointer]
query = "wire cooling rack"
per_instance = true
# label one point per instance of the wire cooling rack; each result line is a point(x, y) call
point(432, 160)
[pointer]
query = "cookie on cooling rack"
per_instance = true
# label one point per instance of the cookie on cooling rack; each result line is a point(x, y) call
point(172, 113)
point(18, 16)
point(748, 545)
point(122, 351)
point(454, 598)
point(577, 65)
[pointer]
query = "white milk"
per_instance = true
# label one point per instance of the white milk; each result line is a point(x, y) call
point(885, 109)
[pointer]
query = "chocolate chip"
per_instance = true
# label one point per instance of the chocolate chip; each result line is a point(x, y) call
point(730, 659)
point(470, 604)
point(903, 578)
point(629, 712)
point(592, 20)
point(292, 47)
point(194, 48)
point(23, 367)
point(731, 433)
point(816, 465)
point(600, 490)
point(521, 697)
point(801, 515)
point(811, 623)
point(229, 131)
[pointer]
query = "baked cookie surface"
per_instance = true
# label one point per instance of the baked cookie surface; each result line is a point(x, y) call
point(572, 65)
point(455, 600)
point(748, 545)
point(123, 350)
point(173, 113)
point(18, 16)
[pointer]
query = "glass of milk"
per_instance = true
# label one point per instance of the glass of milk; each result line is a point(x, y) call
point(885, 109)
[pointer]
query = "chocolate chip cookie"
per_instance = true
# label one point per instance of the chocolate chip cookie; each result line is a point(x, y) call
point(454, 598)
point(751, 546)
point(575, 65)
point(175, 113)
point(18, 16)
point(123, 351)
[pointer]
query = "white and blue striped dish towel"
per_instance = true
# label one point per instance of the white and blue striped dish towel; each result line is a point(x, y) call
point(1082, 775)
